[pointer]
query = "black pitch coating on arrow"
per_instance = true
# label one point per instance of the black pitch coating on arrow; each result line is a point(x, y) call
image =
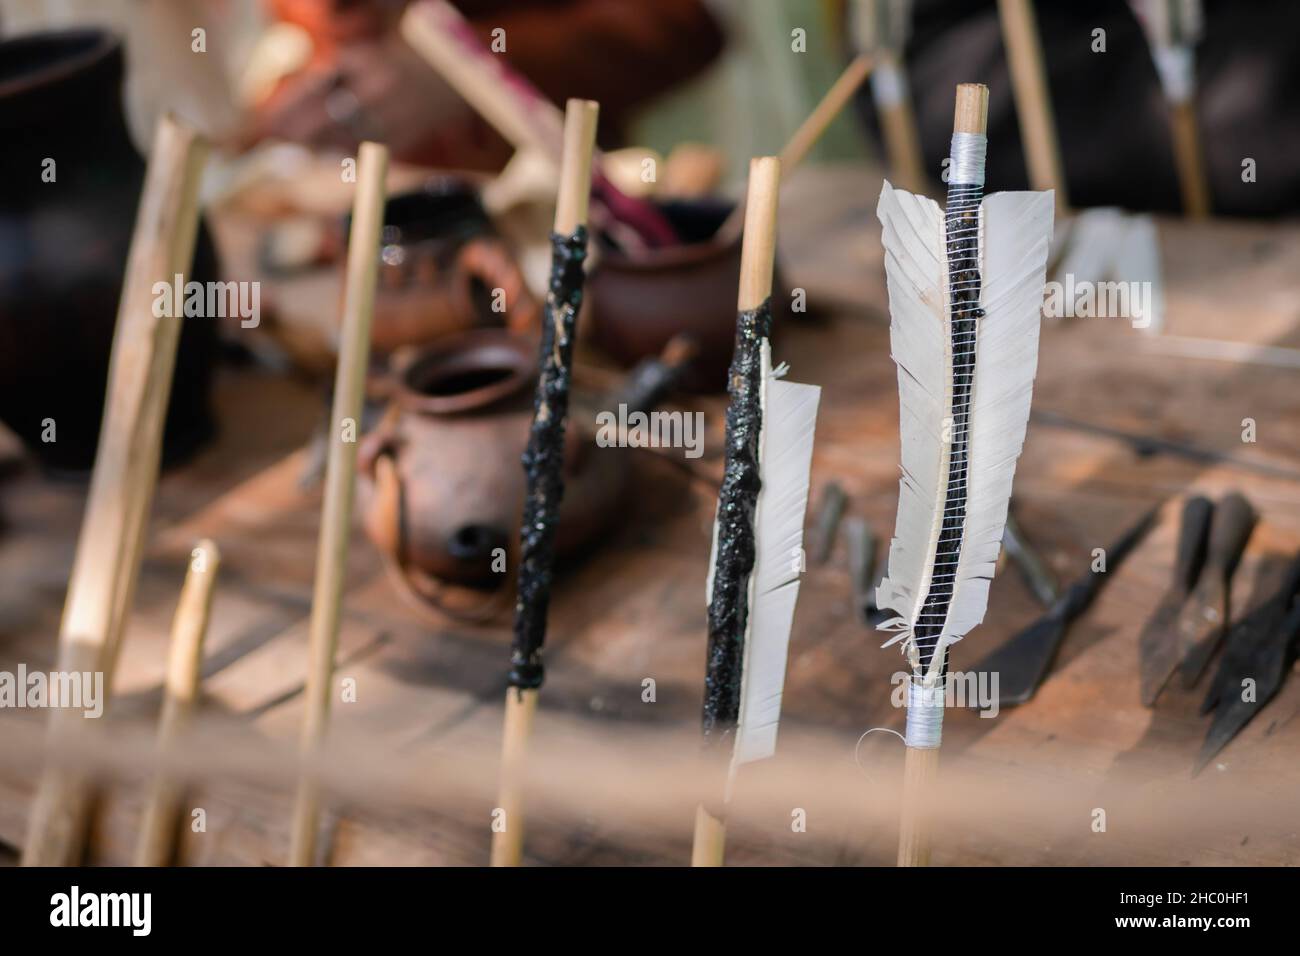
point(737, 499)
point(544, 458)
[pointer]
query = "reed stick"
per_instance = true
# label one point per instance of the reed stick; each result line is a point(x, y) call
point(1033, 100)
point(574, 195)
point(824, 113)
point(107, 563)
point(898, 124)
point(523, 116)
point(1189, 159)
point(709, 845)
point(920, 769)
point(162, 813)
point(970, 115)
point(439, 34)
point(1173, 29)
point(340, 474)
point(757, 261)
point(571, 206)
point(809, 132)
point(758, 247)
point(508, 831)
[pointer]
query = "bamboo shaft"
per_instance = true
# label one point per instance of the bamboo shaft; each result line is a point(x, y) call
point(508, 836)
point(1188, 158)
point(107, 563)
point(919, 772)
point(435, 31)
point(710, 839)
point(898, 126)
point(971, 113)
point(810, 130)
point(757, 255)
point(758, 249)
point(60, 814)
point(336, 510)
point(157, 842)
point(824, 113)
point(574, 194)
point(521, 703)
point(1033, 100)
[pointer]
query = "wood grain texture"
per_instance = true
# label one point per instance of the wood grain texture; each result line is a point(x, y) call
point(971, 109)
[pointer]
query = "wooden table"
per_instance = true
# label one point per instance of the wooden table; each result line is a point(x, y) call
point(421, 739)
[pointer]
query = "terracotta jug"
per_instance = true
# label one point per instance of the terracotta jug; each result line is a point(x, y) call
point(441, 486)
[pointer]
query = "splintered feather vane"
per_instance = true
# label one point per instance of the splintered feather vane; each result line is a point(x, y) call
point(965, 297)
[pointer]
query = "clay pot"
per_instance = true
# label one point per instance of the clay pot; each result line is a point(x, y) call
point(63, 248)
point(439, 263)
point(441, 484)
point(639, 302)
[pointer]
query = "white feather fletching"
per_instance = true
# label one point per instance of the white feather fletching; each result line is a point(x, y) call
point(1015, 233)
point(785, 457)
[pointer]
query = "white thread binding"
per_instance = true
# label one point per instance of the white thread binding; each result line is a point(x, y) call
point(967, 153)
point(1176, 66)
point(924, 715)
point(887, 84)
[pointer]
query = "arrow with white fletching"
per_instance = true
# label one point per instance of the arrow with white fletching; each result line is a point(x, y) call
point(965, 299)
point(757, 554)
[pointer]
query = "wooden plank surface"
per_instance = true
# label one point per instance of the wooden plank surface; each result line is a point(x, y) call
point(417, 749)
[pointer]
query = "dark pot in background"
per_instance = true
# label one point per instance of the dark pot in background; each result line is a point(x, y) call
point(639, 302)
point(63, 248)
point(439, 261)
point(440, 480)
